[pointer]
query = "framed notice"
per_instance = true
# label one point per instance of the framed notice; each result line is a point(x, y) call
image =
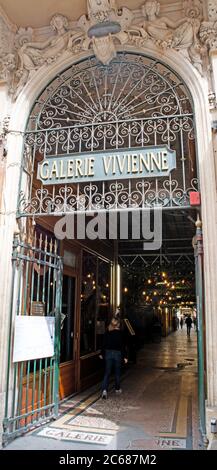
point(38, 308)
point(33, 338)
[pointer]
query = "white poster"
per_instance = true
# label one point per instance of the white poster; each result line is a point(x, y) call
point(33, 338)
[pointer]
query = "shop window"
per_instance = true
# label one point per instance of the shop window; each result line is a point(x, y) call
point(103, 297)
point(95, 302)
point(67, 318)
point(88, 303)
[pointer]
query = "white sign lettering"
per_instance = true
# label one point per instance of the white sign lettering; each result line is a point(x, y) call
point(77, 436)
point(117, 164)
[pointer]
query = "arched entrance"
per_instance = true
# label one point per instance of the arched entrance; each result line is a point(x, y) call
point(88, 113)
point(135, 102)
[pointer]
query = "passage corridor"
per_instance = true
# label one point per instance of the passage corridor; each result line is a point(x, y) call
point(157, 410)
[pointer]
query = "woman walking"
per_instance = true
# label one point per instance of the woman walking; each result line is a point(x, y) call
point(113, 351)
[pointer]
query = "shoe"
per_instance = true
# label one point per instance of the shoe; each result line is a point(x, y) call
point(118, 391)
point(104, 394)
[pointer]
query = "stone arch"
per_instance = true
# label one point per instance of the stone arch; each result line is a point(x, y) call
point(198, 88)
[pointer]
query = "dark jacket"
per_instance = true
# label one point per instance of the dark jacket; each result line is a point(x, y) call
point(114, 340)
point(188, 321)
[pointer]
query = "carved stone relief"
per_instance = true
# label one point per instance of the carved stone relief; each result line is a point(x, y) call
point(212, 10)
point(100, 11)
point(164, 33)
point(32, 55)
point(103, 25)
point(7, 57)
point(208, 30)
point(101, 29)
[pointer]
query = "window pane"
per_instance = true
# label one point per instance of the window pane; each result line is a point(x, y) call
point(67, 320)
point(88, 303)
point(103, 307)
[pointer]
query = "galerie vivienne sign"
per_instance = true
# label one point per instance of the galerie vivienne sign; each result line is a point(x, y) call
point(108, 165)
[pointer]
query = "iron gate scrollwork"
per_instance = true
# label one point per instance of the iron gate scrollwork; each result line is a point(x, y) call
point(134, 102)
point(32, 385)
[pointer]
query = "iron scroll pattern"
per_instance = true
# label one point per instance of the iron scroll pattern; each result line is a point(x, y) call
point(119, 196)
point(131, 87)
point(134, 102)
point(113, 135)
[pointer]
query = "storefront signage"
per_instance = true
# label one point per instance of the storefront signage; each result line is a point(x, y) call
point(108, 165)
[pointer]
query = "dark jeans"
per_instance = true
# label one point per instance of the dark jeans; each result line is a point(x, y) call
point(112, 358)
point(188, 330)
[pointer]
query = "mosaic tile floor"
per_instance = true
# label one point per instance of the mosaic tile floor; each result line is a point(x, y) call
point(157, 409)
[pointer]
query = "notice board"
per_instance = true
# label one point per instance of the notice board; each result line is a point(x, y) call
point(33, 338)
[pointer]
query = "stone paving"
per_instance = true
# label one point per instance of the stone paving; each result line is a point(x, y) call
point(157, 410)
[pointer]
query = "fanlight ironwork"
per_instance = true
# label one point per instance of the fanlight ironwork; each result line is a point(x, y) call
point(136, 101)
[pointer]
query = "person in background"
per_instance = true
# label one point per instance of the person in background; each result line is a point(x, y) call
point(177, 323)
point(181, 322)
point(188, 322)
point(113, 351)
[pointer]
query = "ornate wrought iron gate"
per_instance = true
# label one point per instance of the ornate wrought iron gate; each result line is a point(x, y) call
point(32, 385)
point(134, 102)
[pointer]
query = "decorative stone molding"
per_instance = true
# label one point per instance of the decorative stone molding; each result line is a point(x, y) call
point(208, 29)
point(212, 10)
point(33, 55)
point(23, 35)
point(8, 63)
point(4, 126)
point(179, 35)
point(103, 25)
point(101, 11)
point(102, 29)
point(212, 100)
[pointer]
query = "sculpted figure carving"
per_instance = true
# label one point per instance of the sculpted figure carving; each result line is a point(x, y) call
point(8, 66)
point(163, 32)
point(113, 24)
point(100, 10)
point(103, 26)
point(186, 35)
point(154, 27)
point(35, 54)
point(166, 32)
point(104, 49)
point(208, 30)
